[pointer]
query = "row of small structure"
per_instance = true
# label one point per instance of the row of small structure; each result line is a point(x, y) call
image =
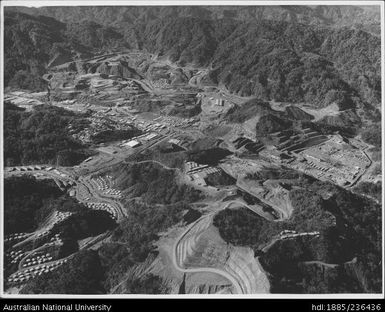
point(27, 274)
point(103, 206)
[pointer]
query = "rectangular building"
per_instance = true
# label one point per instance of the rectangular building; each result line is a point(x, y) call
point(132, 143)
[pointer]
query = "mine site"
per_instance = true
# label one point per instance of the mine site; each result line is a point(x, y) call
point(145, 154)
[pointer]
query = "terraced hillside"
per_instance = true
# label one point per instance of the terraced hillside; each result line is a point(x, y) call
point(200, 249)
point(211, 150)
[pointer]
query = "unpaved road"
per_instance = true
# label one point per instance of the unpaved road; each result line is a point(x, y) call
point(238, 287)
point(223, 273)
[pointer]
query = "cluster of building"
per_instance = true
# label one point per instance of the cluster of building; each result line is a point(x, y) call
point(25, 275)
point(284, 232)
point(16, 236)
point(16, 255)
point(103, 184)
point(139, 140)
point(54, 243)
point(123, 119)
point(350, 156)
point(56, 238)
point(60, 216)
point(37, 259)
point(62, 180)
point(103, 206)
point(42, 234)
point(192, 167)
point(325, 158)
point(217, 100)
point(174, 141)
point(102, 85)
point(150, 133)
point(28, 168)
point(334, 161)
point(63, 184)
point(63, 175)
point(314, 162)
point(198, 173)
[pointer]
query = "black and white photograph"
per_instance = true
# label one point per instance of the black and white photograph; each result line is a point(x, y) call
point(198, 149)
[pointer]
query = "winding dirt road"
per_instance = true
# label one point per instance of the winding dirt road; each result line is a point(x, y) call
point(178, 266)
point(239, 288)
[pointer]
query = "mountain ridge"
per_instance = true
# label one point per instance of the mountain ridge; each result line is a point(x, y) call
point(274, 60)
point(326, 15)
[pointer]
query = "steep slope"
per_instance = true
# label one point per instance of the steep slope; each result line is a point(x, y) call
point(28, 41)
point(356, 55)
point(33, 43)
point(188, 40)
point(273, 60)
point(296, 113)
point(323, 15)
point(94, 35)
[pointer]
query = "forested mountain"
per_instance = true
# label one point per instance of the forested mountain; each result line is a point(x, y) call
point(28, 42)
point(324, 15)
point(33, 42)
point(41, 136)
point(235, 117)
point(278, 59)
point(347, 231)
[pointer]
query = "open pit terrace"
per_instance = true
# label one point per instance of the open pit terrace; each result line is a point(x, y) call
point(237, 267)
point(333, 161)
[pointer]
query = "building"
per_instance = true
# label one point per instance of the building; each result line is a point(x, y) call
point(192, 167)
point(174, 141)
point(132, 143)
point(219, 102)
point(151, 136)
point(107, 149)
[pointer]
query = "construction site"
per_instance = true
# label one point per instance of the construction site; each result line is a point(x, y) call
point(165, 105)
point(334, 160)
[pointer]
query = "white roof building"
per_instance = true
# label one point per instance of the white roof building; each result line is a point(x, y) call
point(132, 143)
point(174, 141)
point(151, 136)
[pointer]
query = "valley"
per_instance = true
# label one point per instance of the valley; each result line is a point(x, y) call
point(169, 177)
